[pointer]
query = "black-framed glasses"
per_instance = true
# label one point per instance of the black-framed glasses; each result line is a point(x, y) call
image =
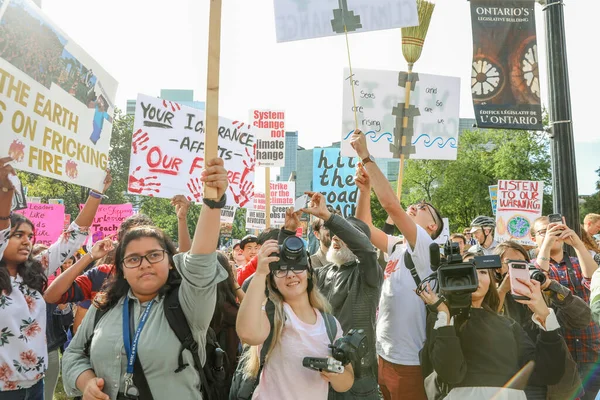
point(282, 273)
point(153, 257)
point(425, 205)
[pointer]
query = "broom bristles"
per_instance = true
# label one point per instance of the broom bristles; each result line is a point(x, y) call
point(413, 37)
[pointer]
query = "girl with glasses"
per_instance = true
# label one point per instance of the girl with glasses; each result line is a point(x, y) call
point(299, 331)
point(101, 361)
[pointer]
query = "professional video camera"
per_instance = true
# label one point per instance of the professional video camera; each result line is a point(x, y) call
point(292, 255)
point(457, 279)
point(346, 349)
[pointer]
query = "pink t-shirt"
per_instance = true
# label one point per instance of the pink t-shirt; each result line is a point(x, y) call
point(283, 376)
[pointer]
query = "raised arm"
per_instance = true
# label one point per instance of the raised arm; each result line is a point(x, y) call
point(88, 212)
point(64, 281)
point(182, 206)
point(385, 194)
point(363, 209)
point(252, 323)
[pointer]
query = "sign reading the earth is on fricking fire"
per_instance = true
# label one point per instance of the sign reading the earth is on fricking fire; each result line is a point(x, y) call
point(519, 204)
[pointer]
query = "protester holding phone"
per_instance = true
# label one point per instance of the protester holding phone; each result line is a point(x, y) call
point(574, 273)
point(478, 358)
point(298, 330)
point(571, 312)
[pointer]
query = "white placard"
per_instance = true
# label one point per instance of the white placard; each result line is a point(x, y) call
point(269, 126)
point(167, 153)
point(519, 204)
point(307, 19)
point(282, 197)
point(228, 214)
point(380, 98)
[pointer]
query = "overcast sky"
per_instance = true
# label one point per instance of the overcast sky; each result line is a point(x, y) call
point(147, 45)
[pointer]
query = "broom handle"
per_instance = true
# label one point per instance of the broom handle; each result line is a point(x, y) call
point(404, 126)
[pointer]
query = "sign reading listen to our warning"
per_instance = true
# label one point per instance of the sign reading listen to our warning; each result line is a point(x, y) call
point(269, 127)
point(519, 204)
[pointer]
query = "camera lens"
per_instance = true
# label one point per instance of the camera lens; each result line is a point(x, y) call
point(293, 248)
point(537, 275)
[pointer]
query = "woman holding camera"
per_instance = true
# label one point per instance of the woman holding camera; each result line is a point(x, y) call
point(479, 357)
point(299, 330)
point(132, 351)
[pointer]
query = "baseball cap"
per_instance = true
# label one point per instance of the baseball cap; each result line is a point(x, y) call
point(248, 239)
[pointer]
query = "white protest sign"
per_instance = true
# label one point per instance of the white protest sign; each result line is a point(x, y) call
point(432, 133)
point(228, 214)
point(445, 235)
point(301, 202)
point(307, 19)
point(256, 219)
point(282, 198)
point(519, 204)
point(56, 101)
point(167, 152)
point(269, 127)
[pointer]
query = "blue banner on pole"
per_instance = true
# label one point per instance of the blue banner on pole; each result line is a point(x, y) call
point(333, 175)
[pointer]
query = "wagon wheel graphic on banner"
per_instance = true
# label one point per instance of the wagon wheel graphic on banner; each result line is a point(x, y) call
point(487, 77)
point(524, 76)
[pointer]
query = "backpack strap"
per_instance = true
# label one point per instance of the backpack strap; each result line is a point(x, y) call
point(97, 317)
point(180, 326)
point(330, 325)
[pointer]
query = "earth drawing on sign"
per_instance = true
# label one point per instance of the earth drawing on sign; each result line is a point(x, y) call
point(518, 226)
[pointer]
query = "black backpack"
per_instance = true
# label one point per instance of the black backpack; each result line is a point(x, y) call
point(242, 387)
point(212, 375)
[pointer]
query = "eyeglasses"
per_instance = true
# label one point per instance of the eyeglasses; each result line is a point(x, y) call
point(282, 273)
point(541, 232)
point(135, 261)
point(423, 205)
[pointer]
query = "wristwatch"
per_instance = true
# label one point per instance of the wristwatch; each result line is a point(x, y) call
point(216, 204)
point(367, 160)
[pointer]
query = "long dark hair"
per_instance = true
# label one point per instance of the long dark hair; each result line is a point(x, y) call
point(117, 286)
point(224, 292)
point(31, 270)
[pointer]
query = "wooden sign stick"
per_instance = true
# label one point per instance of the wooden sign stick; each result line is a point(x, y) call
point(404, 126)
point(268, 197)
point(211, 136)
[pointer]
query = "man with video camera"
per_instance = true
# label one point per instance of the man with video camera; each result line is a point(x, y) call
point(401, 321)
point(575, 273)
point(351, 281)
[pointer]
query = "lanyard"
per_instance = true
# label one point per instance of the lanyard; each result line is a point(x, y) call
point(131, 348)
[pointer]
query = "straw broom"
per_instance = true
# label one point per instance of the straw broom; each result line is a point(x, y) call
point(413, 38)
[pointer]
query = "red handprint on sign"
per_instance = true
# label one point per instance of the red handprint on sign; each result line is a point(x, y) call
point(140, 138)
point(17, 150)
point(174, 106)
point(239, 124)
point(141, 185)
point(246, 193)
point(195, 187)
point(249, 163)
point(71, 169)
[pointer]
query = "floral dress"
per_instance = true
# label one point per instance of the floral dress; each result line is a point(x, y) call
point(23, 351)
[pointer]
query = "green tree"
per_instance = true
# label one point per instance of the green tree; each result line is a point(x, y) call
point(591, 203)
point(460, 188)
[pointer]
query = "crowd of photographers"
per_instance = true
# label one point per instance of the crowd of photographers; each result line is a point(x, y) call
point(369, 313)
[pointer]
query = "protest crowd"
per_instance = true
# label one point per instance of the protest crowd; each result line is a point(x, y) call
point(110, 305)
point(135, 316)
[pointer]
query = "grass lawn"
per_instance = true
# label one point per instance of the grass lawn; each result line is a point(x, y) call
point(59, 393)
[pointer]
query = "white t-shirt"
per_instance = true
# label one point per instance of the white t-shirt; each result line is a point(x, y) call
point(283, 376)
point(401, 321)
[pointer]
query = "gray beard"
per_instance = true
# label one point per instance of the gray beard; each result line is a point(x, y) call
point(340, 257)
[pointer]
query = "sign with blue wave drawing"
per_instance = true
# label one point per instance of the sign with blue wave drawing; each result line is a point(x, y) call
point(433, 114)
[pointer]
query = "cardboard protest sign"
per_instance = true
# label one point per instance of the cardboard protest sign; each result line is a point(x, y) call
point(333, 175)
point(433, 114)
point(108, 219)
point(270, 137)
point(519, 204)
point(298, 20)
point(56, 102)
point(48, 221)
point(494, 197)
point(167, 153)
point(228, 214)
point(282, 198)
point(505, 76)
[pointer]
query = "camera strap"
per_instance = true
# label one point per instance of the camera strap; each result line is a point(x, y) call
point(408, 263)
point(571, 271)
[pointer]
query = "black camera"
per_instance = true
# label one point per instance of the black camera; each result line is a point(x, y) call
point(292, 254)
point(457, 279)
point(349, 348)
